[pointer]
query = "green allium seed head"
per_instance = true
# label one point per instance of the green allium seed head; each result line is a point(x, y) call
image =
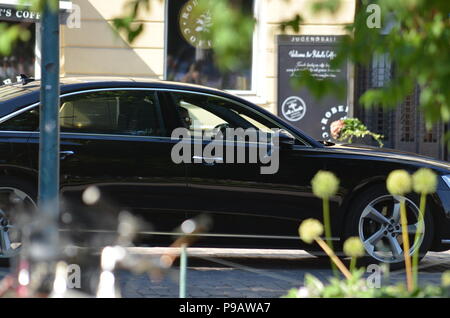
point(446, 279)
point(353, 247)
point(424, 181)
point(325, 184)
point(310, 229)
point(399, 182)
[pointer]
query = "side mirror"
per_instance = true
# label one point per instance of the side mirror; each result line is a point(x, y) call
point(286, 140)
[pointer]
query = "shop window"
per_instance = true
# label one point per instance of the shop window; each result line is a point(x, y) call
point(190, 59)
point(22, 58)
point(381, 70)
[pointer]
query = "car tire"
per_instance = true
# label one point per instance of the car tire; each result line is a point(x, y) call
point(16, 196)
point(383, 241)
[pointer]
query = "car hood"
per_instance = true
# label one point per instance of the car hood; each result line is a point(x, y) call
point(393, 154)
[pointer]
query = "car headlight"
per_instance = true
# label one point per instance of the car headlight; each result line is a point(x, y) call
point(447, 180)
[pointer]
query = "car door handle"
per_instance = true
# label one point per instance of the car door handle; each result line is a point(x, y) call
point(213, 159)
point(64, 154)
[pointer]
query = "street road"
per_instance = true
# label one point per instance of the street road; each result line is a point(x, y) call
point(251, 273)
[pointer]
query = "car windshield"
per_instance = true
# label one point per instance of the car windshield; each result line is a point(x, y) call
point(11, 91)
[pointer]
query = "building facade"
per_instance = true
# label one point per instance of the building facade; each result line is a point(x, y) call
point(168, 49)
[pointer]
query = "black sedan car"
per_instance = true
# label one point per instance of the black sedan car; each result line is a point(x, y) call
point(116, 137)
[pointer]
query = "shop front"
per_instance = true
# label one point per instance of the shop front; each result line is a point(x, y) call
point(169, 49)
point(24, 58)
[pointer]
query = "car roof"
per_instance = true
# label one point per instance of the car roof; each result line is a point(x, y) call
point(18, 94)
point(77, 82)
point(69, 84)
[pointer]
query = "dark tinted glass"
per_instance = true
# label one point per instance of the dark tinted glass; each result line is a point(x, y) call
point(27, 121)
point(115, 112)
point(190, 57)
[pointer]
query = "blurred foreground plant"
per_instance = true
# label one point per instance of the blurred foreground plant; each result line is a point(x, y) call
point(399, 183)
point(325, 185)
point(310, 230)
point(424, 182)
point(356, 287)
point(353, 248)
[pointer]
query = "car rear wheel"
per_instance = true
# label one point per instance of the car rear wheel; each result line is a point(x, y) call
point(375, 219)
point(17, 201)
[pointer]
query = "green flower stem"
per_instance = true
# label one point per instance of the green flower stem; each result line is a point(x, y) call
point(334, 259)
point(327, 225)
point(420, 226)
point(353, 264)
point(406, 245)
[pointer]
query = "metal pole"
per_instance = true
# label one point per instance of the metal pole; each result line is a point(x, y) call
point(48, 197)
point(183, 268)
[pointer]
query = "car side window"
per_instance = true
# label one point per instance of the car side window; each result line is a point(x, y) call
point(206, 115)
point(112, 112)
point(134, 113)
point(198, 119)
point(26, 121)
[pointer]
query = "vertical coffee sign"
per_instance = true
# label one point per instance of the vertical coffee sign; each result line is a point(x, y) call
point(300, 107)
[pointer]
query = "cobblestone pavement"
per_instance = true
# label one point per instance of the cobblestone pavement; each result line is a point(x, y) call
point(262, 274)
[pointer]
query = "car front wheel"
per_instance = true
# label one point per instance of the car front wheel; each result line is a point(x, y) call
point(375, 219)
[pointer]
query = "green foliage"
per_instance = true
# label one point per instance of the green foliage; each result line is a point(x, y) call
point(10, 34)
point(293, 24)
point(38, 5)
point(357, 288)
point(231, 33)
point(326, 5)
point(127, 24)
point(354, 128)
point(417, 44)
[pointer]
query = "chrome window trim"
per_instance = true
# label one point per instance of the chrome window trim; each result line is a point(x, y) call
point(16, 132)
point(111, 135)
point(20, 111)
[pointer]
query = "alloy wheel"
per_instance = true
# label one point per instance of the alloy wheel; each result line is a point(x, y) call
point(13, 202)
point(381, 232)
